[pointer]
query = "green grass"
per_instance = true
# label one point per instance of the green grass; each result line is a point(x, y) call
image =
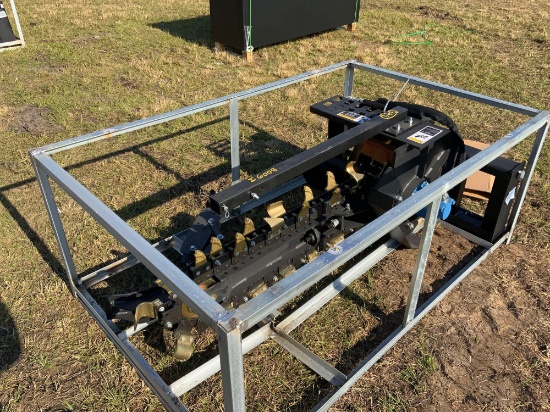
point(89, 66)
point(415, 374)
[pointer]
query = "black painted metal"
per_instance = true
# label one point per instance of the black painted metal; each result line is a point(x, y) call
point(276, 21)
point(493, 223)
point(6, 31)
point(259, 184)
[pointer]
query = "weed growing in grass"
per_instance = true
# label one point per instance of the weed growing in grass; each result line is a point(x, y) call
point(392, 402)
point(415, 374)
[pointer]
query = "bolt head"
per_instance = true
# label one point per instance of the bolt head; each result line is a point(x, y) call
point(220, 236)
point(168, 325)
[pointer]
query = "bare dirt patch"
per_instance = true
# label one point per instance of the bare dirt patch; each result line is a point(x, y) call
point(31, 119)
point(487, 341)
point(437, 14)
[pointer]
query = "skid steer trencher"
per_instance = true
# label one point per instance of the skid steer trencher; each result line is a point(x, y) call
point(8, 39)
point(384, 177)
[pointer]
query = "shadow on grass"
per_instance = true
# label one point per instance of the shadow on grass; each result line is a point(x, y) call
point(256, 160)
point(389, 321)
point(195, 30)
point(10, 347)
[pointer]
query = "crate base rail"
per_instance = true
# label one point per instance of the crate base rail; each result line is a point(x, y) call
point(231, 325)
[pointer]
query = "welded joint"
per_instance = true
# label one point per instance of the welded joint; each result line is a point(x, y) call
point(37, 151)
point(230, 322)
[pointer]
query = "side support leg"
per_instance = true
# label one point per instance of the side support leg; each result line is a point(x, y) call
point(522, 192)
point(231, 362)
point(421, 260)
point(56, 223)
point(348, 82)
point(234, 125)
point(17, 23)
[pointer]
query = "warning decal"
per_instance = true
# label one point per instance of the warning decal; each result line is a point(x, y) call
point(425, 134)
point(354, 117)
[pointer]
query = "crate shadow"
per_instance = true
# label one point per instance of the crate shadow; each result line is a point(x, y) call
point(194, 30)
point(254, 160)
point(10, 349)
point(389, 321)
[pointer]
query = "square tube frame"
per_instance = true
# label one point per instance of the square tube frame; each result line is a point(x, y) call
point(231, 325)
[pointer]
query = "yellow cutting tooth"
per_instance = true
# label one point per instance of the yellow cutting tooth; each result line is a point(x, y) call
point(215, 246)
point(161, 284)
point(335, 197)
point(186, 310)
point(284, 272)
point(312, 256)
point(354, 171)
point(185, 347)
point(248, 226)
point(276, 209)
point(274, 223)
point(200, 258)
point(308, 194)
point(334, 241)
point(257, 290)
point(240, 243)
point(187, 313)
point(308, 197)
point(331, 181)
point(145, 310)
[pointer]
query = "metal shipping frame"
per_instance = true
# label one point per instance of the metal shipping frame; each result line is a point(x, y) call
point(230, 326)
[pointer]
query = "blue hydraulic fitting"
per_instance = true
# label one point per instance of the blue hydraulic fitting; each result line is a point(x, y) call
point(445, 206)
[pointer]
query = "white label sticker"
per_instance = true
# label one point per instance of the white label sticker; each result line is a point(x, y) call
point(511, 195)
point(3, 14)
point(355, 117)
point(425, 134)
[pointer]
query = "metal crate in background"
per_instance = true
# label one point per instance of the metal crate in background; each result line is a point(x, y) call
point(230, 325)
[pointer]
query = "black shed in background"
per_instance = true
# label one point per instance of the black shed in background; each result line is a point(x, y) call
point(248, 24)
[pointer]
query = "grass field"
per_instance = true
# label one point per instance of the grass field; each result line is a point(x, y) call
point(90, 66)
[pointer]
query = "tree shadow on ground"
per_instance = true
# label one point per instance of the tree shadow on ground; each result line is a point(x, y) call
point(195, 30)
point(10, 346)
